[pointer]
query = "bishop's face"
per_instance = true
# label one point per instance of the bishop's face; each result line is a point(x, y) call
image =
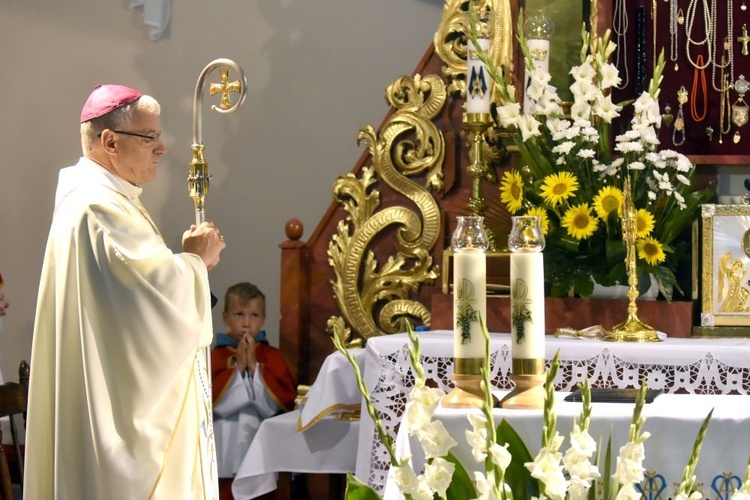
point(137, 157)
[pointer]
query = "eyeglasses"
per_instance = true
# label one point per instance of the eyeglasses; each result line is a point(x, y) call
point(149, 139)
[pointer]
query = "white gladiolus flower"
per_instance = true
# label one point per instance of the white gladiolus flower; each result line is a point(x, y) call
point(405, 478)
point(635, 451)
point(509, 114)
point(484, 486)
point(581, 442)
point(435, 439)
point(580, 109)
point(549, 105)
point(540, 76)
point(428, 396)
point(584, 90)
point(423, 491)
point(628, 492)
point(628, 471)
point(584, 72)
point(529, 127)
point(646, 108)
point(693, 496)
point(606, 109)
point(557, 125)
point(421, 406)
point(610, 76)
point(682, 179)
point(415, 416)
point(438, 474)
point(500, 456)
point(649, 136)
point(536, 89)
point(478, 441)
point(545, 463)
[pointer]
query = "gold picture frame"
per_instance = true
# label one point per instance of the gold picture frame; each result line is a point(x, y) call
point(725, 265)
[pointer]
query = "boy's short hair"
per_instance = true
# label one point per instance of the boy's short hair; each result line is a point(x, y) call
point(245, 292)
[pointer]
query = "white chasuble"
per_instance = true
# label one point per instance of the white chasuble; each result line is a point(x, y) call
point(119, 402)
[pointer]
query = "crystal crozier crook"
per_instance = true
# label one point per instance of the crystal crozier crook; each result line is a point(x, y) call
point(198, 178)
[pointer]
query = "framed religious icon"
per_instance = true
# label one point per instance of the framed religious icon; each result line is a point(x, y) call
point(725, 265)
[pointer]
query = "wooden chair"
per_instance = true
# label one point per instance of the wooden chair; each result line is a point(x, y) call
point(13, 396)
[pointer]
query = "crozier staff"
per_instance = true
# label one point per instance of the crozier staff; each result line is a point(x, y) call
point(119, 406)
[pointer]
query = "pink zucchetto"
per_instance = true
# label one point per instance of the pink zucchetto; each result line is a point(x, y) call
point(106, 98)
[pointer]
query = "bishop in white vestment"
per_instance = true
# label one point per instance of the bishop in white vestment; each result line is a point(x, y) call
point(120, 402)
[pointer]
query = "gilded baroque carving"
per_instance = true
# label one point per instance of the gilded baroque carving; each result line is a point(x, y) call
point(373, 296)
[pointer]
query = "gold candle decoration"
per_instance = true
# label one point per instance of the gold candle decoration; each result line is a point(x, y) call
point(469, 244)
point(526, 242)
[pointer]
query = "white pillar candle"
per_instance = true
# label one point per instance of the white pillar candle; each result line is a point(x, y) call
point(539, 51)
point(527, 305)
point(469, 302)
point(478, 81)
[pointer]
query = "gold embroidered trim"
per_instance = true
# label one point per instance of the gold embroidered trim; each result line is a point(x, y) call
point(323, 414)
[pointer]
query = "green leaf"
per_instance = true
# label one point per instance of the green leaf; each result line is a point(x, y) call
point(461, 484)
point(357, 490)
point(584, 286)
point(615, 250)
point(517, 475)
point(606, 472)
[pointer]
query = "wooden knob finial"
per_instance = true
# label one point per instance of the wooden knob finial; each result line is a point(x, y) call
point(294, 229)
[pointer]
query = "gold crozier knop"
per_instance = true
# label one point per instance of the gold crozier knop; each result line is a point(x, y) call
point(632, 329)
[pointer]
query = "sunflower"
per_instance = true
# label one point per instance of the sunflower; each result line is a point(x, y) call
point(580, 221)
point(608, 200)
point(511, 190)
point(559, 187)
point(644, 223)
point(542, 214)
point(650, 250)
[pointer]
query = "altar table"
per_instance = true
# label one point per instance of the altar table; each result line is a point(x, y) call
point(684, 365)
point(672, 419)
point(330, 446)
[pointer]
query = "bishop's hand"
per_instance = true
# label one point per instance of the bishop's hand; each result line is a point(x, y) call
point(205, 241)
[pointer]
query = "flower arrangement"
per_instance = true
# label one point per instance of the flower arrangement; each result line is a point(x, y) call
point(509, 469)
point(573, 178)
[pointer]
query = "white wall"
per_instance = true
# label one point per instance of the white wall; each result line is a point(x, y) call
point(317, 73)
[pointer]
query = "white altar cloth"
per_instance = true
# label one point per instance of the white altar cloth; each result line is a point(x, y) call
point(335, 389)
point(692, 365)
point(672, 419)
point(330, 446)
